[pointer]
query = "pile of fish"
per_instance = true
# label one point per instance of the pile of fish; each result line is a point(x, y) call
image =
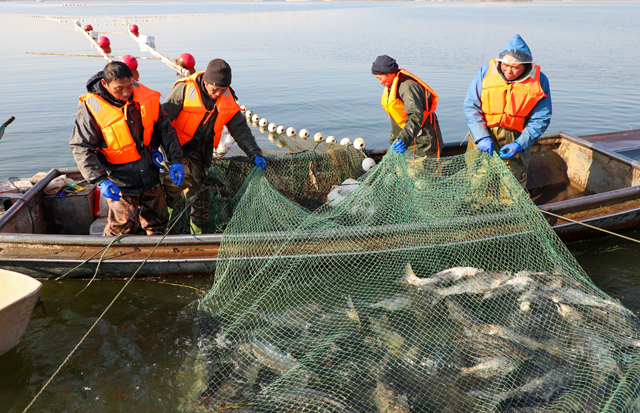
point(462, 340)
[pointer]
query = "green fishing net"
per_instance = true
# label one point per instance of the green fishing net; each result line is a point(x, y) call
point(420, 286)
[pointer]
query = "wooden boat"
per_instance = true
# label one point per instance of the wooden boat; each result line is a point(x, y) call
point(594, 179)
point(19, 294)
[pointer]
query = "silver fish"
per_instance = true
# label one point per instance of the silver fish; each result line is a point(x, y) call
point(447, 276)
point(269, 356)
point(398, 302)
point(490, 367)
point(551, 346)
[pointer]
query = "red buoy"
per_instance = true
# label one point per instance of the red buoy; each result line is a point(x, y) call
point(88, 28)
point(192, 70)
point(134, 29)
point(106, 49)
point(103, 41)
point(187, 61)
point(130, 61)
point(136, 75)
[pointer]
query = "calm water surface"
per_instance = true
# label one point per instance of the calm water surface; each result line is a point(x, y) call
point(299, 64)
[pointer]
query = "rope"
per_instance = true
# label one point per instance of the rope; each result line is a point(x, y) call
point(101, 315)
point(182, 285)
point(590, 226)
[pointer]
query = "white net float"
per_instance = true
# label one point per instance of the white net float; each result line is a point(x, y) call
point(359, 143)
point(248, 113)
point(280, 129)
point(255, 117)
point(304, 134)
point(291, 131)
point(368, 163)
point(243, 108)
point(281, 144)
point(318, 137)
point(263, 122)
point(331, 139)
point(345, 141)
point(272, 137)
point(271, 127)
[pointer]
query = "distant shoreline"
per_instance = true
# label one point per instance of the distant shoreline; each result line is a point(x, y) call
point(81, 2)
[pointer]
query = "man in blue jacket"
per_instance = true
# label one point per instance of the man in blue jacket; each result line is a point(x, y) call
point(508, 107)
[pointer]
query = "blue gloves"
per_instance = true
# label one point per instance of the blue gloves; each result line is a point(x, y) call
point(259, 161)
point(109, 190)
point(399, 146)
point(176, 172)
point(157, 158)
point(2, 128)
point(485, 144)
point(510, 150)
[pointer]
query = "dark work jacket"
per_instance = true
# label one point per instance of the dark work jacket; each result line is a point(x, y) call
point(134, 177)
point(237, 126)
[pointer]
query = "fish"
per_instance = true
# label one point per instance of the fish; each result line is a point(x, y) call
point(577, 297)
point(269, 356)
point(517, 284)
point(491, 367)
point(312, 175)
point(300, 400)
point(395, 303)
point(569, 313)
point(386, 400)
point(480, 284)
point(551, 346)
point(443, 277)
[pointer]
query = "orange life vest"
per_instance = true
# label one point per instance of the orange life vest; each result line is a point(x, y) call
point(193, 111)
point(112, 121)
point(508, 104)
point(395, 107)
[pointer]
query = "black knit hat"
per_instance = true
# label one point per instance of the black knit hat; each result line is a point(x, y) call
point(384, 64)
point(218, 73)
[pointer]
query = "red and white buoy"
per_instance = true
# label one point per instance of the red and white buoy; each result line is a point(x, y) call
point(130, 61)
point(106, 49)
point(134, 29)
point(88, 28)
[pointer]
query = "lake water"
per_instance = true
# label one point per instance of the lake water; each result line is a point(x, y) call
point(301, 64)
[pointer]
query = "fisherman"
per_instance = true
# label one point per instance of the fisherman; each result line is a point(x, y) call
point(118, 123)
point(199, 106)
point(411, 106)
point(508, 107)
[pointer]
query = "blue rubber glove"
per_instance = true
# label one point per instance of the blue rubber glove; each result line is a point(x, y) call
point(510, 150)
point(2, 128)
point(176, 172)
point(259, 161)
point(485, 144)
point(109, 190)
point(399, 146)
point(157, 158)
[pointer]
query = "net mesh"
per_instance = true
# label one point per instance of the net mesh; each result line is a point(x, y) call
point(419, 286)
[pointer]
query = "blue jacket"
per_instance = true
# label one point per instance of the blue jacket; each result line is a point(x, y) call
point(539, 117)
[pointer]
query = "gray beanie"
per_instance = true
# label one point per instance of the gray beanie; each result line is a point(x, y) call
point(218, 73)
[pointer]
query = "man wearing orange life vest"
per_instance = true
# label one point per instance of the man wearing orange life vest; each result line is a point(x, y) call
point(411, 105)
point(199, 107)
point(508, 107)
point(118, 123)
